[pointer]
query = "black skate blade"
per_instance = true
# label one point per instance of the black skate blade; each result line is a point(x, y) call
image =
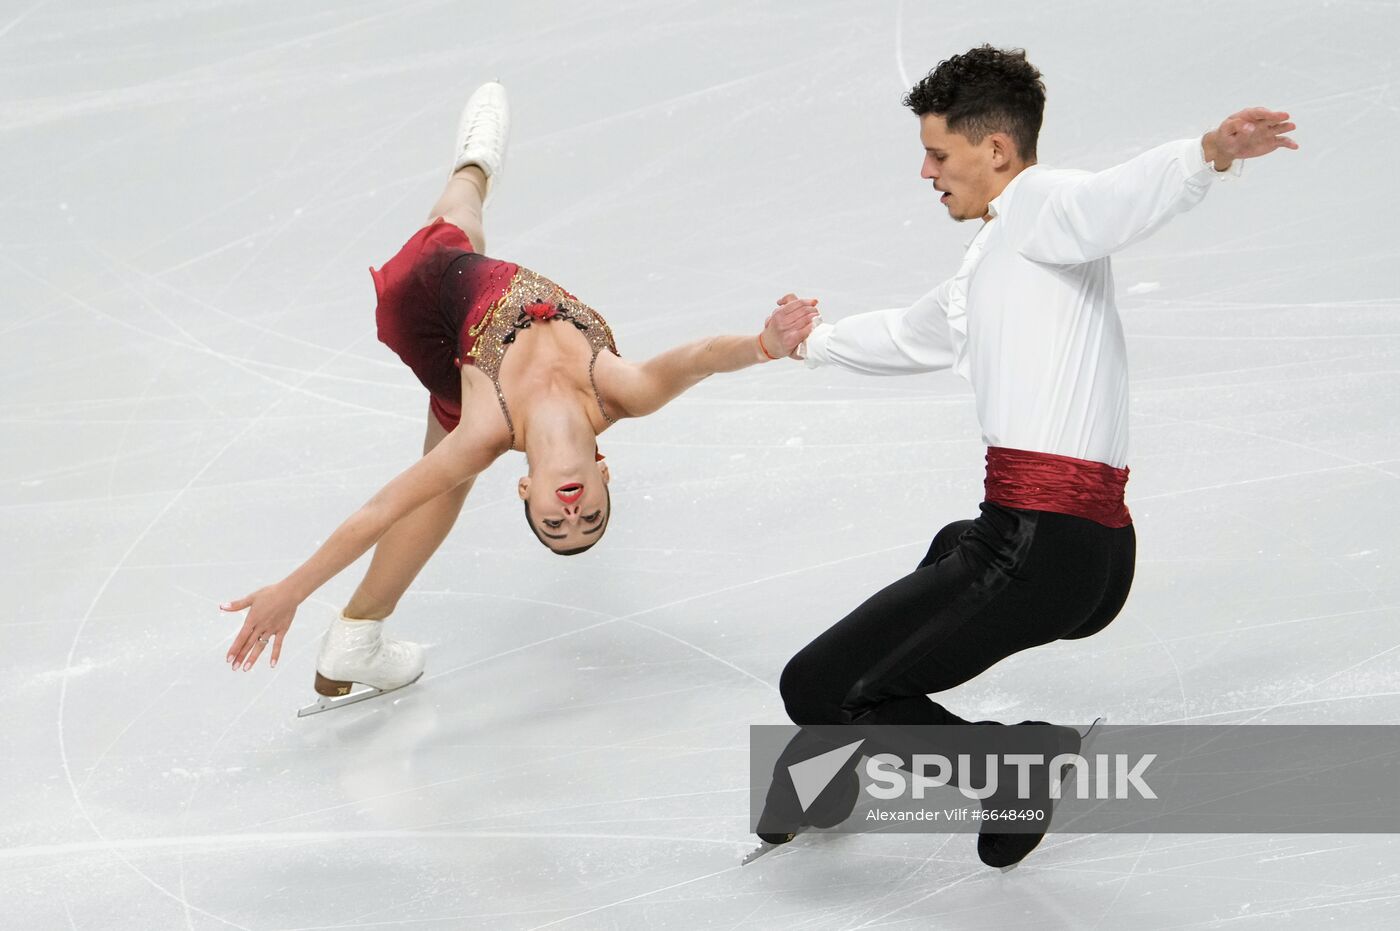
point(1094, 730)
point(1085, 740)
point(330, 703)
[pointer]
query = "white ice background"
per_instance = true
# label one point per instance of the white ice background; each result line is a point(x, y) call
point(194, 397)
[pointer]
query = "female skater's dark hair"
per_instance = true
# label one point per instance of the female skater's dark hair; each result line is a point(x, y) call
point(578, 549)
point(982, 91)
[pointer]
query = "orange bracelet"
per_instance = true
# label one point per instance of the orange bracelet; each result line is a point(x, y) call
point(764, 349)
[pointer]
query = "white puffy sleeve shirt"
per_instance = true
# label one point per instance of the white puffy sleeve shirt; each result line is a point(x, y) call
point(1030, 318)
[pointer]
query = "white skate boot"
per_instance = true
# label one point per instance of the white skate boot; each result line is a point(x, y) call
point(358, 653)
point(483, 132)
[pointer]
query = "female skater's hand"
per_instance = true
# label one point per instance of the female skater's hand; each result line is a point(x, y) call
point(789, 325)
point(271, 615)
point(1248, 134)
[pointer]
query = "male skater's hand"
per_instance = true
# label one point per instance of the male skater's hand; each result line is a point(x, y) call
point(1248, 134)
point(788, 326)
point(273, 610)
point(788, 299)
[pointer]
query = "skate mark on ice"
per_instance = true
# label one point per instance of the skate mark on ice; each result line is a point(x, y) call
point(87, 615)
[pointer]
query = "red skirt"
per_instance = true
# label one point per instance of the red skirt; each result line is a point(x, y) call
point(430, 295)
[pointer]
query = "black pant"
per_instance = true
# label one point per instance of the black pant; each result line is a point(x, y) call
point(990, 587)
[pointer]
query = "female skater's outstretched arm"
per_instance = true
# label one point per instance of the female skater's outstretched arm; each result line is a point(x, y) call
point(638, 390)
point(477, 442)
point(457, 459)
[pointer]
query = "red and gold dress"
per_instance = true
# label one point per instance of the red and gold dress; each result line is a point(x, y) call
point(442, 305)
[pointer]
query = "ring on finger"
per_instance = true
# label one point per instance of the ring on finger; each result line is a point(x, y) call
point(264, 640)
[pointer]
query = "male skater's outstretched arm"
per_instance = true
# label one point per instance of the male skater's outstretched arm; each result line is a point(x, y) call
point(1063, 217)
point(1071, 217)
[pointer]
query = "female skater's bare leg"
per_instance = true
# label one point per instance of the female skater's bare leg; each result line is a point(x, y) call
point(403, 551)
point(461, 202)
point(355, 649)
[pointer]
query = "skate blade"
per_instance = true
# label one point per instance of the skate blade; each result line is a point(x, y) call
point(330, 703)
point(759, 851)
point(765, 848)
point(1087, 738)
point(1090, 735)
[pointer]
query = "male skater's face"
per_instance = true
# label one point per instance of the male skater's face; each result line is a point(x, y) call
point(962, 172)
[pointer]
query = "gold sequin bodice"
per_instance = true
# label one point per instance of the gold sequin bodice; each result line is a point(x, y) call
point(531, 298)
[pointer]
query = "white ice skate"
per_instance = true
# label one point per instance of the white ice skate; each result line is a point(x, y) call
point(357, 653)
point(483, 133)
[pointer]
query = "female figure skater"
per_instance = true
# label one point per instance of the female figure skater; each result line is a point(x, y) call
point(511, 361)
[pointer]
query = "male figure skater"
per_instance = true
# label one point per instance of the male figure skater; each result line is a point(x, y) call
point(1030, 320)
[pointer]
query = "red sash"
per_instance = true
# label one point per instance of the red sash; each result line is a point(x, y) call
point(1020, 478)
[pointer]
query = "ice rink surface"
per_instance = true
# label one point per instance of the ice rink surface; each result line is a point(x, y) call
point(194, 398)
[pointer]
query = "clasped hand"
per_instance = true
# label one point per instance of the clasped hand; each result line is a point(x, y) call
point(789, 325)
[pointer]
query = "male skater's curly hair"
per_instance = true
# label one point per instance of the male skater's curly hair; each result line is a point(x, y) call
point(982, 91)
